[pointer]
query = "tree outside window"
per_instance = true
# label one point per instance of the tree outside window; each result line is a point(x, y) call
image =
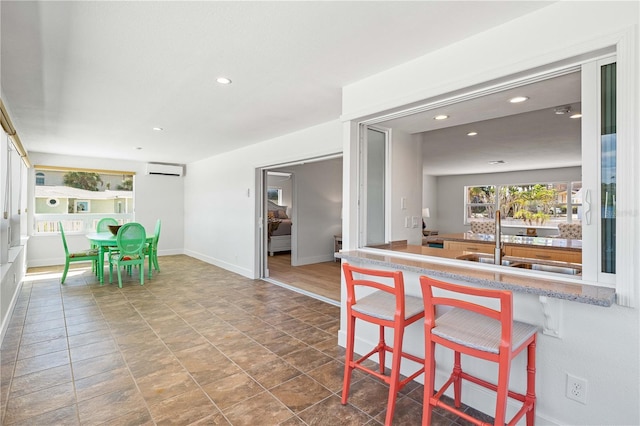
point(535, 204)
point(79, 199)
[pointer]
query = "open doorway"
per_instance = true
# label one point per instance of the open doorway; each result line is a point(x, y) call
point(302, 219)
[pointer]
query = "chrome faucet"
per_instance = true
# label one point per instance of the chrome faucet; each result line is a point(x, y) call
point(498, 251)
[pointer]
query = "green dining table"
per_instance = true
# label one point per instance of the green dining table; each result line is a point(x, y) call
point(104, 240)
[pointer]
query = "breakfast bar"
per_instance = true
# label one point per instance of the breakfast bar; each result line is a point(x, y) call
point(478, 274)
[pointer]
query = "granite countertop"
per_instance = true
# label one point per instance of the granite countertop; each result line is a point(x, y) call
point(475, 274)
point(513, 240)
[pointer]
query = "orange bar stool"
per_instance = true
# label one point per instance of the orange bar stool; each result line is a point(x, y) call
point(475, 330)
point(386, 306)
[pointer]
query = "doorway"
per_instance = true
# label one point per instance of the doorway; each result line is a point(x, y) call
point(301, 215)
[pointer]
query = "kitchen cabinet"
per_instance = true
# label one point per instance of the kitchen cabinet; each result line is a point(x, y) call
point(469, 246)
point(559, 255)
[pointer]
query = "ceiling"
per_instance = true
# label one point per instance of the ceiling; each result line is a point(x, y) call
point(95, 78)
point(528, 135)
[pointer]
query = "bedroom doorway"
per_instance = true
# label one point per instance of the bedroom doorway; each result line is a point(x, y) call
point(300, 215)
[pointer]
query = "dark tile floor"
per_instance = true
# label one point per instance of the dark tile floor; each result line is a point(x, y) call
point(195, 345)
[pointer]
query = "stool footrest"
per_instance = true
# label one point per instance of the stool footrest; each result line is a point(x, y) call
point(511, 394)
point(358, 364)
point(528, 401)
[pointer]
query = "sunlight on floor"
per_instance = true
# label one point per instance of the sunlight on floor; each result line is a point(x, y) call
point(47, 273)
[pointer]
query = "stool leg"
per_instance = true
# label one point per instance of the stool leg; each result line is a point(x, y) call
point(348, 362)
point(457, 380)
point(531, 381)
point(429, 380)
point(381, 350)
point(503, 388)
point(394, 384)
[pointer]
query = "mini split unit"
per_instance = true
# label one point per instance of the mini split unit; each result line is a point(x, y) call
point(165, 169)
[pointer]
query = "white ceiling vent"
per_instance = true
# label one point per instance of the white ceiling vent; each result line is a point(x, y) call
point(165, 169)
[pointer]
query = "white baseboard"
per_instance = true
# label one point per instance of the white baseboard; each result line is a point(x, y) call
point(7, 317)
point(220, 263)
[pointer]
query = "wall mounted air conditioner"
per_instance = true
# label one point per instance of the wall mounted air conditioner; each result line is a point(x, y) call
point(165, 169)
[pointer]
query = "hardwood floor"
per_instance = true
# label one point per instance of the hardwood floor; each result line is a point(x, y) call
point(322, 279)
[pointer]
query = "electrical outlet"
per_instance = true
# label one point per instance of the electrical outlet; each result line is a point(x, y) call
point(576, 389)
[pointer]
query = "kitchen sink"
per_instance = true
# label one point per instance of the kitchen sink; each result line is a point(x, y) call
point(488, 259)
point(567, 270)
point(557, 269)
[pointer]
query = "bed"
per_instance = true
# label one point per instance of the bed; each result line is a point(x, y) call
point(279, 232)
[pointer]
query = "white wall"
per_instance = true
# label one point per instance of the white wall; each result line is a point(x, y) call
point(155, 197)
point(450, 191)
point(220, 205)
point(600, 345)
point(318, 204)
point(554, 33)
point(406, 174)
point(429, 199)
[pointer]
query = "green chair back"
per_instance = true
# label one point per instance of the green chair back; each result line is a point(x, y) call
point(131, 242)
point(151, 250)
point(156, 235)
point(64, 239)
point(131, 239)
point(103, 224)
point(90, 255)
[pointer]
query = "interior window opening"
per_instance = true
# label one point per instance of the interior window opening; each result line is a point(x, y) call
point(518, 151)
point(80, 198)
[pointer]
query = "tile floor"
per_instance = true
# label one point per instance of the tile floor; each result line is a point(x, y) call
point(195, 345)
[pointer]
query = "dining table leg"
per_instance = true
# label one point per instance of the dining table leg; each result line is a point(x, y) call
point(101, 264)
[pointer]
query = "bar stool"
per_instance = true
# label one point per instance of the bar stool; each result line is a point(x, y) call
point(482, 332)
point(386, 306)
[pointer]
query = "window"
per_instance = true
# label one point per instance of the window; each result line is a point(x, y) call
point(533, 204)
point(480, 202)
point(604, 187)
point(80, 198)
point(608, 167)
point(274, 194)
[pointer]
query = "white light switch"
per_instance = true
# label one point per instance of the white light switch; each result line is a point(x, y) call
point(403, 203)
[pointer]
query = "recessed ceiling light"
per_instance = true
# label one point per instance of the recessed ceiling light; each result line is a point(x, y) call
point(518, 99)
point(158, 129)
point(223, 80)
point(472, 133)
point(576, 115)
point(497, 162)
point(441, 117)
point(138, 148)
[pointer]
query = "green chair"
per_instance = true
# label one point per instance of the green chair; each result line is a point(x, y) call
point(130, 243)
point(90, 255)
point(103, 224)
point(151, 250)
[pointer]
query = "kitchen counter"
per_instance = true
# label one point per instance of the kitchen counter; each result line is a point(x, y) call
point(487, 276)
point(511, 240)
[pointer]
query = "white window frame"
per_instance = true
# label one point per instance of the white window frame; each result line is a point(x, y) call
point(77, 222)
